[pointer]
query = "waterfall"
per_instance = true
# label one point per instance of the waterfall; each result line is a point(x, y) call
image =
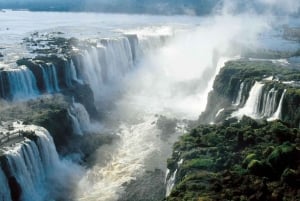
point(119, 58)
point(71, 74)
point(29, 162)
point(239, 96)
point(111, 59)
point(33, 163)
point(92, 69)
point(252, 105)
point(141, 44)
point(25, 164)
point(4, 188)
point(170, 183)
point(22, 83)
point(50, 78)
point(261, 104)
point(149, 43)
point(269, 103)
point(277, 114)
point(80, 118)
point(219, 112)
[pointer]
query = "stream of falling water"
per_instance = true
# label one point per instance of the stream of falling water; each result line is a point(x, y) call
point(141, 145)
point(173, 82)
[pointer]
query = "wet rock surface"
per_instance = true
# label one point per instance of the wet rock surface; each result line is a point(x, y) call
point(146, 188)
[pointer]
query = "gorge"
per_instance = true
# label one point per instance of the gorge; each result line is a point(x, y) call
point(91, 107)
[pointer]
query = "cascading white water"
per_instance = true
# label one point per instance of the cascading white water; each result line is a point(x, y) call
point(31, 162)
point(4, 188)
point(118, 56)
point(80, 118)
point(34, 164)
point(239, 96)
point(22, 83)
point(112, 59)
point(106, 62)
point(261, 104)
point(251, 107)
point(25, 163)
point(167, 89)
point(170, 183)
point(269, 103)
point(277, 114)
point(219, 112)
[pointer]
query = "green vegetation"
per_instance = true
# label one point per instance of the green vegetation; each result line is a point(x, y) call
point(45, 112)
point(227, 85)
point(252, 160)
point(244, 160)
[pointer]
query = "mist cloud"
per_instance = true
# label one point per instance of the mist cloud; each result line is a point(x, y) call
point(287, 6)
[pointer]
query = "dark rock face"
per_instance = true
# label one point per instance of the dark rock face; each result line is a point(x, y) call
point(16, 191)
point(83, 94)
point(39, 63)
point(149, 187)
point(36, 70)
point(291, 107)
point(4, 85)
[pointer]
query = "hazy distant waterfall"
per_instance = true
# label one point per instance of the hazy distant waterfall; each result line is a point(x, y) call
point(149, 43)
point(22, 83)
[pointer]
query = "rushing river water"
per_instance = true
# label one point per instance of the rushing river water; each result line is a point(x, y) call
point(169, 83)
